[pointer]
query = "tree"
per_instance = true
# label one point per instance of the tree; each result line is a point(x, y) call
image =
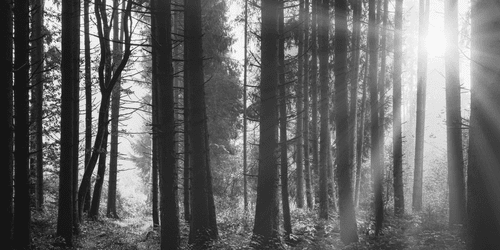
point(70, 43)
point(323, 27)
point(101, 172)
point(266, 225)
point(421, 89)
point(165, 128)
point(7, 159)
point(483, 171)
point(399, 202)
point(245, 79)
point(299, 148)
point(456, 180)
point(115, 117)
point(348, 228)
point(108, 77)
point(307, 165)
point(287, 224)
point(377, 168)
point(37, 70)
point(314, 86)
point(88, 93)
point(202, 228)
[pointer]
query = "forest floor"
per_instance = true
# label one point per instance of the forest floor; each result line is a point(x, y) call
point(423, 231)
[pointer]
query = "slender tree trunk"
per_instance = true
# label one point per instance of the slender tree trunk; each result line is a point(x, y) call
point(357, 7)
point(299, 156)
point(421, 95)
point(382, 80)
point(483, 198)
point(37, 79)
point(101, 172)
point(314, 88)
point(115, 117)
point(22, 214)
point(323, 27)
point(287, 224)
point(88, 95)
point(377, 171)
point(307, 167)
point(348, 228)
point(266, 227)
point(70, 62)
point(456, 180)
point(7, 131)
point(154, 130)
point(360, 139)
point(245, 76)
point(399, 202)
point(170, 233)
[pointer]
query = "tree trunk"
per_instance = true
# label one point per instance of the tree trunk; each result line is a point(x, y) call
point(107, 80)
point(287, 224)
point(170, 233)
point(421, 95)
point(70, 62)
point(266, 227)
point(323, 27)
point(384, 8)
point(245, 78)
point(101, 172)
point(377, 171)
point(307, 167)
point(314, 89)
point(399, 202)
point(360, 140)
point(37, 67)
point(7, 159)
point(115, 117)
point(483, 198)
point(357, 8)
point(88, 95)
point(348, 228)
point(22, 214)
point(299, 156)
point(456, 180)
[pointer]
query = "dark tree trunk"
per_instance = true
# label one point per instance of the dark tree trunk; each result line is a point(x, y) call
point(115, 117)
point(483, 197)
point(37, 67)
point(101, 172)
point(305, 136)
point(299, 108)
point(314, 89)
point(323, 27)
point(165, 128)
point(266, 227)
point(348, 228)
point(202, 228)
point(456, 180)
point(377, 171)
point(287, 224)
point(88, 95)
point(7, 159)
point(70, 61)
point(399, 202)
point(421, 95)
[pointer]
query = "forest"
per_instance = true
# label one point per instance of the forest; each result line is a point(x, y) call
point(271, 124)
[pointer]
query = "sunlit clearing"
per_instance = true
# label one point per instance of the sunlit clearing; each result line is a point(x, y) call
point(435, 42)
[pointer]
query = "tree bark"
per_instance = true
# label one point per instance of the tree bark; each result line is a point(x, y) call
point(299, 147)
point(266, 225)
point(7, 131)
point(305, 136)
point(22, 214)
point(399, 202)
point(88, 95)
point(377, 171)
point(348, 228)
point(70, 62)
point(456, 180)
point(165, 129)
point(287, 224)
point(314, 89)
point(483, 199)
point(421, 95)
point(323, 27)
point(101, 172)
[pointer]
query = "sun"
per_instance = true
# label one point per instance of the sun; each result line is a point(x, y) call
point(435, 42)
